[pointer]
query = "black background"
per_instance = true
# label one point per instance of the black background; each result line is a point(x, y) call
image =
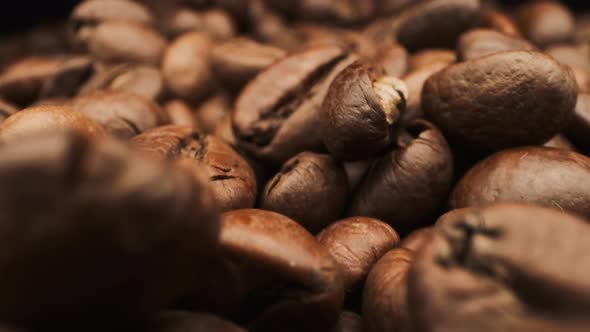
point(21, 14)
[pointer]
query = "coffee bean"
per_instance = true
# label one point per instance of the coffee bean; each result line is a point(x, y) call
point(499, 21)
point(277, 115)
point(148, 224)
point(212, 112)
point(33, 120)
point(216, 23)
point(528, 175)
point(426, 23)
point(361, 112)
point(416, 239)
point(357, 244)
point(272, 271)
point(431, 57)
point(385, 306)
point(414, 81)
point(122, 114)
point(345, 11)
point(231, 179)
point(393, 59)
point(174, 321)
point(305, 180)
point(501, 100)
point(546, 22)
point(481, 42)
point(492, 270)
point(400, 188)
point(186, 66)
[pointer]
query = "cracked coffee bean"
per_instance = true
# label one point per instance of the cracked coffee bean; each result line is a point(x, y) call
point(308, 179)
point(272, 275)
point(122, 114)
point(356, 244)
point(493, 270)
point(400, 188)
point(501, 100)
point(231, 179)
point(544, 176)
point(113, 235)
point(277, 114)
point(361, 111)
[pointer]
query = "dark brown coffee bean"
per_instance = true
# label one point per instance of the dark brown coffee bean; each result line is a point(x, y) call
point(432, 56)
point(361, 112)
point(385, 306)
point(554, 178)
point(239, 60)
point(143, 80)
point(501, 100)
point(400, 188)
point(496, 20)
point(426, 24)
point(546, 22)
point(180, 114)
point(177, 321)
point(415, 80)
point(393, 59)
point(212, 112)
point(231, 179)
point(493, 270)
point(578, 130)
point(560, 142)
point(416, 239)
point(148, 224)
point(33, 120)
point(186, 67)
point(345, 11)
point(122, 114)
point(481, 42)
point(272, 271)
point(89, 14)
point(306, 180)
point(114, 41)
point(42, 77)
point(348, 322)
point(6, 110)
point(357, 244)
point(277, 115)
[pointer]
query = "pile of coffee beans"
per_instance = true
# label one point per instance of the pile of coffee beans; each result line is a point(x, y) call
point(297, 166)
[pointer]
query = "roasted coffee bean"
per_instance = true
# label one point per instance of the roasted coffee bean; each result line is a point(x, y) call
point(356, 244)
point(122, 114)
point(361, 112)
point(451, 216)
point(550, 177)
point(416, 239)
point(481, 42)
point(496, 20)
point(385, 304)
point(180, 114)
point(273, 274)
point(427, 24)
point(239, 60)
point(143, 80)
point(186, 67)
point(306, 180)
point(388, 7)
point(114, 41)
point(225, 132)
point(212, 112)
point(355, 172)
point(415, 80)
point(176, 321)
point(33, 120)
point(150, 225)
point(6, 110)
point(348, 322)
point(216, 23)
point(277, 115)
point(546, 22)
point(351, 41)
point(432, 56)
point(572, 55)
point(89, 14)
point(492, 270)
point(231, 179)
point(393, 59)
point(578, 130)
point(31, 78)
point(501, 100)
point(344, 11)
point(400, 188)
